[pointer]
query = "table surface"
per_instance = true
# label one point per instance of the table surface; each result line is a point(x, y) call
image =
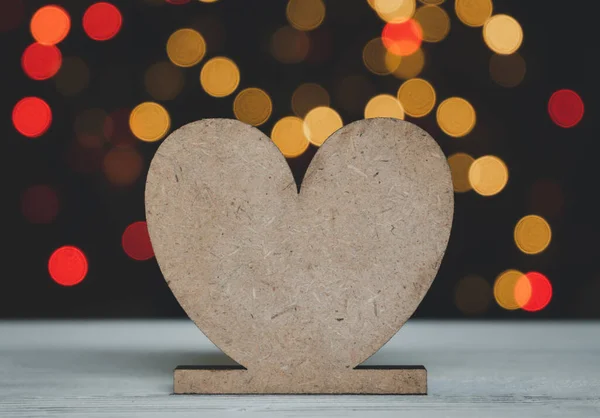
point(125, 369)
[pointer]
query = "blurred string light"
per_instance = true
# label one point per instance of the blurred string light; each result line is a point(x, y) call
point(50, 25)
point(505, 288)
point(252, 106)
point(288, 135)
point(89, 128)
point(220, 77)
point(488, 175)
point(402, 38)
point(533, 292)
point(12, 13)
point(149, 121)
point(289, 45)
point(73, 76)
point(307, 97)
point(456, 117)
point(39, 204)
point(507, 70)
point(122, 166)
point(566, 108)
point(320, 123)
point(305, 14)
point(102, 21)
point(460, 163)
point(377, 59)
point(186, 47)
point(473, 13)
point(163, 81)
point(472, 295)
point(434, 21)
point(394, 10)
point(384, 106)
point(503, 34)
point(136, 241)
point(41, 62)
point(417, 97)
point(532, 234)
point(410, 65)
point(68, 266)
point(32, 117)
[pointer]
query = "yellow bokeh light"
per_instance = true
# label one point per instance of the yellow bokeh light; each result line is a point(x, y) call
point(503, 34)
point(252, 106)
point(507, 70)
point(378, 60)
point(320, 123)
point(417, 97)
point(472, 295)
point(209, 1)
point(505, 290)
point(288, 135)
point(410, 66)
point(186, 47)
point(432, 2)
point(474, 13)
point(456, 117)
point(394, 10)
point(220, 77)
point(305, 14)
point(532, 234)
point(307, 97)
point(488, 175)
point(434, 21)
point(289, 46)
point(149, 121)
point(384, 106)
point(523, 291)
point(163, 81)
point(460, 163)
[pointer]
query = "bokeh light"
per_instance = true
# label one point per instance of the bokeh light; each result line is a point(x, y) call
point(488, 175)
point(505, 290)
point(39, 204)
point(507, 70)
point(472, 295)
point(532, 234)
point(417, 97)
point(456, 117)
point(378, 60)
point(68, 266)
point(320, 123)
point(305, 14)
point(288, 135)
point(503, 34)
point(252, 106)
point(73, 76)
point(403, 38)
point(434, 21)
point(394, 10)
point(473, 13)
point(220, 77)
point(566, 108)
point(410, 65)
point(32, 117)
point(384, 106)
point(89, 128)
point(432, 2)
point(12, 14)
point(50, 25)
point(460, 163)
point(163, 81)
point(289, 45)
point(102, 21)
point(307, 97)
point(136, 241)
point(533, 292)
point(149, 121)
point(41, 62)
point(186, 47)
point(122, 166)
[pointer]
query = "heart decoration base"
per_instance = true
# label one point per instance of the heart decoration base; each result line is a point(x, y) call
point(299, 287)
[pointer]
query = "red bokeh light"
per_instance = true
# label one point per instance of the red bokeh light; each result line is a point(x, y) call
point(39, 204)
point(541, 291)
point(102, 21)
point(32, 117)
point(41, 62)
point(402, 38)
point(136, 241)
point(566, 108)
point(68, 266)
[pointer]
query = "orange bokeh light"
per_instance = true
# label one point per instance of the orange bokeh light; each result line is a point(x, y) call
point(102, 21)
point(32, 117)
point(136, 241)
point(41, 62)
point(402, 38)
point(50, 25)
point(68, 266)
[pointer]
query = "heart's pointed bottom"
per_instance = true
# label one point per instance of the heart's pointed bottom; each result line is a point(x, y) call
point(379, 380)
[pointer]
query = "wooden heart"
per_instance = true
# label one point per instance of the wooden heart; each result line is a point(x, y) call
point(306, 285)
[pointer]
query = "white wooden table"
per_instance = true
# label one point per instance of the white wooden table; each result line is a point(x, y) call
point(124, 369)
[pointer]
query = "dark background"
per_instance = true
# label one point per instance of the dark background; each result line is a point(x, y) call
point(560, 49)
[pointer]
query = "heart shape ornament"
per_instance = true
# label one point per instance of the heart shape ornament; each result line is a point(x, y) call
point(299, 287)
